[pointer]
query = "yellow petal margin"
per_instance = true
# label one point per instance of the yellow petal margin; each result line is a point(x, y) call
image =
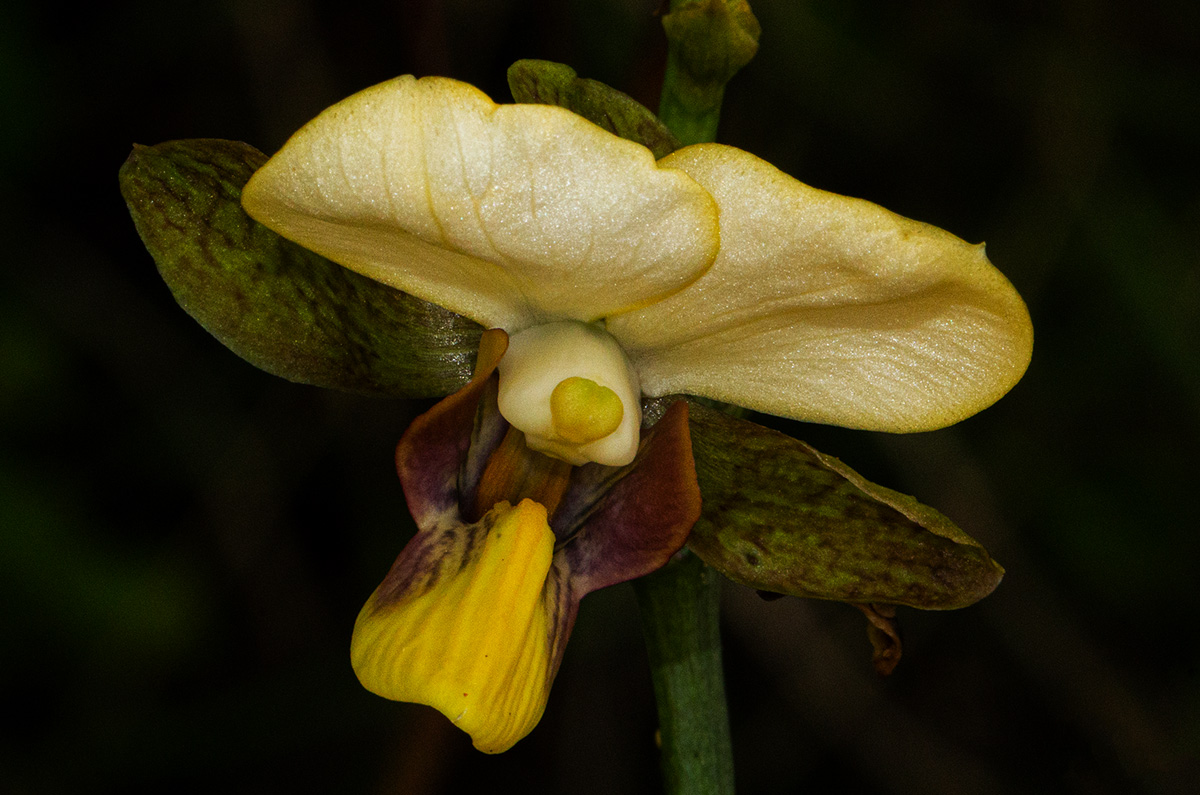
point(512, 215)
point(829, 309)
point(463, 624)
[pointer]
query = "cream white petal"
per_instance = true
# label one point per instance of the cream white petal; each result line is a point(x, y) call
point(829, 309)
point(509, 214)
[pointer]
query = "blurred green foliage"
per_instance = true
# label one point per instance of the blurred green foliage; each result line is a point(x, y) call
point(184, 541)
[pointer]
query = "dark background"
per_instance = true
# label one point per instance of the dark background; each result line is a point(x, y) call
point(186, 541)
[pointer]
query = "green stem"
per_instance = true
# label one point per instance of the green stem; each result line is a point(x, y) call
point(691, 114)
point(680, 607)
point(708, 41)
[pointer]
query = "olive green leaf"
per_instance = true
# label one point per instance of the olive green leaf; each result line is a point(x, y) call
point(549, 83)
point(781, 517)
point(281, 307)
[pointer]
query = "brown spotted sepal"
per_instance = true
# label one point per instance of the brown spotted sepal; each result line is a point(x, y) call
point(474, 616)
point(279, 306)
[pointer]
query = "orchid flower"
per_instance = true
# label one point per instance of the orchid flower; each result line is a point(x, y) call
point(608, 279)
point(708, 272)
point(614, 276)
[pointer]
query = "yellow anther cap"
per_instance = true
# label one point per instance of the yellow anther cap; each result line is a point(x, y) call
point(583, 411)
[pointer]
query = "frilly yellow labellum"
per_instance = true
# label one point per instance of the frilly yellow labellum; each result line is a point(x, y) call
point(471, 635)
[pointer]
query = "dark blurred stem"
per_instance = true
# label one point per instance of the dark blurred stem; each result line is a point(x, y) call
point(680, 606)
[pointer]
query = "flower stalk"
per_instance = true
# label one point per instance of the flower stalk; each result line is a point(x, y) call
point(680, 609)
point(680, 604)
point(708, 42)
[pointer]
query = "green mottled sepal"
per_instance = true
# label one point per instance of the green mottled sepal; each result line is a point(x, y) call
point(781, 517)
point(277, 305)
point(549, 83)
